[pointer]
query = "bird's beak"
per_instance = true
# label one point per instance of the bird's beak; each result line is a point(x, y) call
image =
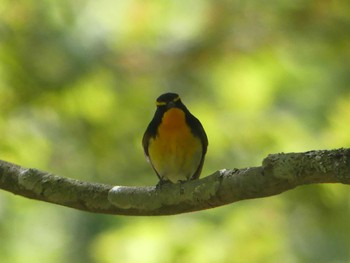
point(170, 104)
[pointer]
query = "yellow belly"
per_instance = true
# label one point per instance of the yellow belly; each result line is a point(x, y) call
point(175, 152)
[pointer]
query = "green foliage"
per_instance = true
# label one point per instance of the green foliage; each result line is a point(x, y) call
point(78, 81)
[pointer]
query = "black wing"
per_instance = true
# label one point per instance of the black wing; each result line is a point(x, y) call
point(198, 131)
point(151, 132)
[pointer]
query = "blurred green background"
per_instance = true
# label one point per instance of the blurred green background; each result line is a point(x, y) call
point(78, 81)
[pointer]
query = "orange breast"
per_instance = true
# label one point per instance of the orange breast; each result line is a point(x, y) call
point(175, 153)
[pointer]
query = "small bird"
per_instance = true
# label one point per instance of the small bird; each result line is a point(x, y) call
point(175, 142)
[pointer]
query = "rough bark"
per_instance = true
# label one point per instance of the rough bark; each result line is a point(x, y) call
point(278, 173)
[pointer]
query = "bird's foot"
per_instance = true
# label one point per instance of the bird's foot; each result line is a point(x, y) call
point(161, 183)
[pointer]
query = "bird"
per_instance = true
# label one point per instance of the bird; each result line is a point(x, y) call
point(175, 142)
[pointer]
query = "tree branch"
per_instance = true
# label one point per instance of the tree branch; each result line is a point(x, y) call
point(278, 173)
